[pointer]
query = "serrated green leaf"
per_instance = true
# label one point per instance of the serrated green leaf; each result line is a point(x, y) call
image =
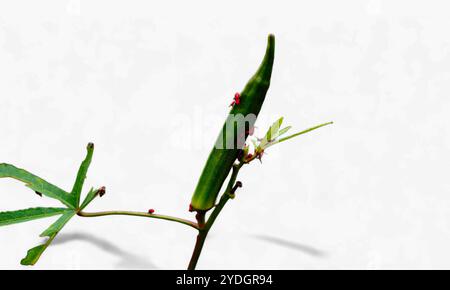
point(24, 215)
point(89, 197)
point(35, 253)
point(37, 184)
point(300, 133)
point(81, 176)
point(59, 224)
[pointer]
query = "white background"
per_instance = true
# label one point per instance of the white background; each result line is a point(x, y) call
point(150, 85)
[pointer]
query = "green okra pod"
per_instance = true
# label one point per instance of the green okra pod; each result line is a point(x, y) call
point(238, 124)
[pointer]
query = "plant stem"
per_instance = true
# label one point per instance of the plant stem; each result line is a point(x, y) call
point(201, 237)
point(202, 227)
point(203, 230)
point(140, 214)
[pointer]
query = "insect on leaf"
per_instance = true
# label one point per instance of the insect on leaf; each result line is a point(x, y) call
point(24, 215)
point(37, 184)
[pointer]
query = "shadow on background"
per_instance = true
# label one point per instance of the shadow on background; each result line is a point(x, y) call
point(127, 260)
point(291, 245)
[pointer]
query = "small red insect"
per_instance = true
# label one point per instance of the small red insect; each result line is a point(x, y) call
point(151, 211)
point(237, 100)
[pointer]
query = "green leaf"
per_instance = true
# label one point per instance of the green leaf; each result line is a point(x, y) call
point(24, 215)
point(283, 131)
point(271, 133)
point(81, 176)
point(301, 133)
point(59, 224)
point(89, 197)
point(274, 137)
point(35, 253)
point(273, 130)
point(37, 184)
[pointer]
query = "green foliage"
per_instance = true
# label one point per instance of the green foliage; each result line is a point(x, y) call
point(81, 176)
point(272, 137)
point(272, 133)
point(35, 253)
point(302, 132)
point(25, 215)
point(42, 187)
point(216, 170)
point(89, 197)
point(59, 224)
point(37, 184)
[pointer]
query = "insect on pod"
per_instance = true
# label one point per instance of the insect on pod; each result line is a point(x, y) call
point(239, 123)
